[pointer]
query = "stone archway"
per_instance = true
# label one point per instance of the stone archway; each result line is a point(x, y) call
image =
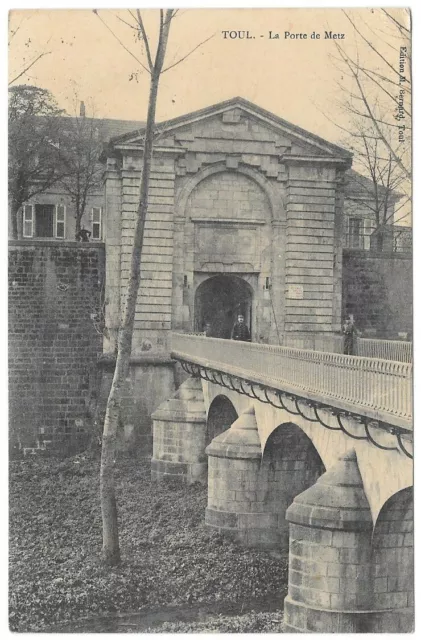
point(218, 300)
point(393, 562)
point(293, 465)
point(221, 415)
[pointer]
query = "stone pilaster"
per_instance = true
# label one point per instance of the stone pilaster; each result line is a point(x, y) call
point(311, 265)
point(154, 303)
point(330, 586)
point(179, 436)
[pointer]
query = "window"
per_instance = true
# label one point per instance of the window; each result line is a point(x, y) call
point(355, 236)
point(28, 221)
point(60, 220)
point(44, 221)
point(96, 223)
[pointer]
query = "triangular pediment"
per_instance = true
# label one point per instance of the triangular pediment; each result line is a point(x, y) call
point(234, 120)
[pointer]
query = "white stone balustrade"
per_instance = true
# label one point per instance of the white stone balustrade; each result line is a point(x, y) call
point(375, 388)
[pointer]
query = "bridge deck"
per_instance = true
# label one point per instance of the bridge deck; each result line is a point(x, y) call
point(375, 388)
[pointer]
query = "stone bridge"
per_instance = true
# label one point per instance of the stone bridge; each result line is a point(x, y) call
point(303, 451)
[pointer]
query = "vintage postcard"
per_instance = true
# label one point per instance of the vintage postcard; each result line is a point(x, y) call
point(210, 320)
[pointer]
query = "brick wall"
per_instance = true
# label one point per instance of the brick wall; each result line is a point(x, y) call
point(54, 290)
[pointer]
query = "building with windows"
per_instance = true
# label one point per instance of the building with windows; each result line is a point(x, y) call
point(51, 215)
point(247, 214)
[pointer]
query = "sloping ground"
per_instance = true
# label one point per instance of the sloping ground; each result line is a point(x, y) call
point(169, 560)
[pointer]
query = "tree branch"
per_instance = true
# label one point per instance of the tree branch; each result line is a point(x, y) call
point(188, 54)
point(145, 40)
point(95, 11)
point(29, 66)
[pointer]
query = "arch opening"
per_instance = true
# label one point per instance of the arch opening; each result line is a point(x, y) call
point(393, 559)
point(221, 415)
point(292, 464)
point(218, 301)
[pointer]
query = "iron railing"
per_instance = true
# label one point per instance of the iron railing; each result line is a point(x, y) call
point(396, 350)
point(380, 389)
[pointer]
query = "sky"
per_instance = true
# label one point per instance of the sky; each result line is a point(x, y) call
point(295, 78)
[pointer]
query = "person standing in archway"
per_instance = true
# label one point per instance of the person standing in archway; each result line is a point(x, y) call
point(240, 330)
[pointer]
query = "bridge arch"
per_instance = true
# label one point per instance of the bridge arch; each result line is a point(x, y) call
point(393, 560)
point(218, 300)
point(293, 465)
point(221, 415)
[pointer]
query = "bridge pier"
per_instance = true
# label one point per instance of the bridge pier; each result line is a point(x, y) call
point(179, 436)
point(332, 569)
point(238, 485)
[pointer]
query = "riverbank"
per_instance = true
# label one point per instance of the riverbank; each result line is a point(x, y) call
point(170, 562)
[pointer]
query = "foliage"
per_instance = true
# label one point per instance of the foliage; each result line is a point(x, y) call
point(168, 558)
point(35, 156)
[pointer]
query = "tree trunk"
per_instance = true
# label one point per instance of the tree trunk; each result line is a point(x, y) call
point(14, 211)
point(110, 549)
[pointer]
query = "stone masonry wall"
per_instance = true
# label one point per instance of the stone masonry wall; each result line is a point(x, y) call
point(54, 293)
point(377, 290)
point(393, 558)
point(310, 249)
point(154, 303)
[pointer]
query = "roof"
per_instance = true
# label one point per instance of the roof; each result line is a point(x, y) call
point(250, 107)
point(110, 128)
point(357, 184)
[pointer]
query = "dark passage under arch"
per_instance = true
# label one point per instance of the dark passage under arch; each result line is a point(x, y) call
point(221, 415)
point(219, 300)
point(293, 465)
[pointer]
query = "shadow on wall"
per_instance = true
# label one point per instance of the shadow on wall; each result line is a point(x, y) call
point(393, 560)
point(292, 465)
point(221, 415)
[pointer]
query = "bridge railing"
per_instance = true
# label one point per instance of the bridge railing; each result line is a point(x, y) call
point(396, 350)
point(381, 388)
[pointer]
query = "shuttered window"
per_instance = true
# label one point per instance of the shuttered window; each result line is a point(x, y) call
point(60, 221)
point(28, 221)
point(96, 223)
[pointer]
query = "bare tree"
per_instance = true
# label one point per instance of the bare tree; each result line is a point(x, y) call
point(82, 145)
point(379, 188)
point(35, 159)
point(375, 96)
point(110, 548)
point(154, 66)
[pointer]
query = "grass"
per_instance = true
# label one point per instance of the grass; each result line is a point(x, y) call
point(169, 559)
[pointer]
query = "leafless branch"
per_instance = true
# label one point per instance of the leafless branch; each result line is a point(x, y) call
point(145, 40)
point(29, 66)
point(372, 47)
point(188, 54)
point(95, 11)
point(400, 26)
